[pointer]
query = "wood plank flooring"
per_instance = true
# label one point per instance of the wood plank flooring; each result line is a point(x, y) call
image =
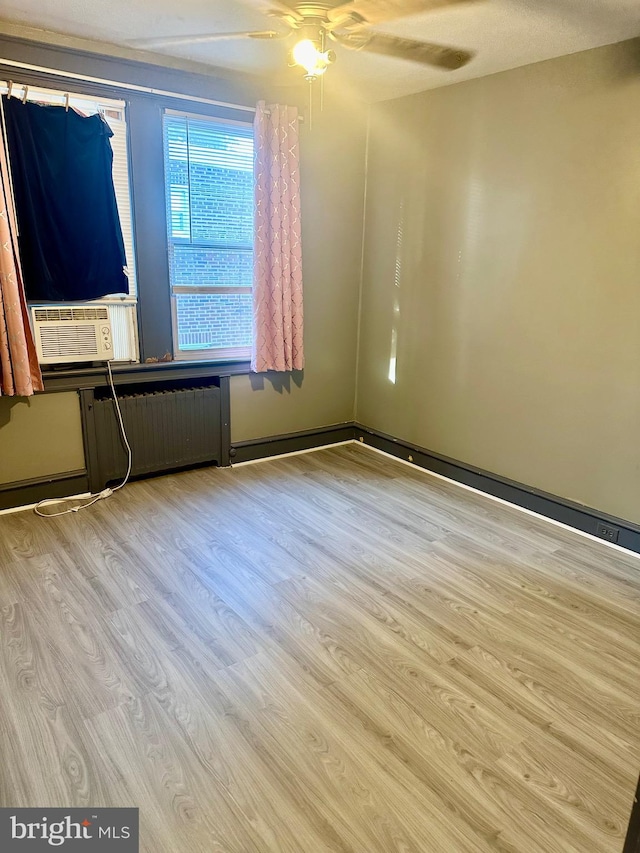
point(327, 652)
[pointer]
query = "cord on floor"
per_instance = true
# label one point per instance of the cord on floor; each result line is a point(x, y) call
point(105, 493)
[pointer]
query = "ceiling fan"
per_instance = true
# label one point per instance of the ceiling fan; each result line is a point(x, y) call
point(348, 25)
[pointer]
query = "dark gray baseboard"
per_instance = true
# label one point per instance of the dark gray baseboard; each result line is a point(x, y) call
point(25, 492)
point(262, 448)
point(551, 506)
point(572, 514)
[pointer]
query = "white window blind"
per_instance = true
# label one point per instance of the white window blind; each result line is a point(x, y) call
point(209, 142)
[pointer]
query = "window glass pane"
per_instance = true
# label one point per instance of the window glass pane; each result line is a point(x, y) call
point(213, 320)
point(221, 168)
point(205, 267)
point(209, 196)
point(209, 176)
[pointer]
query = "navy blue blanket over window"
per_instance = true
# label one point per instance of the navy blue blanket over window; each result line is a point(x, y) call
point(70, 237)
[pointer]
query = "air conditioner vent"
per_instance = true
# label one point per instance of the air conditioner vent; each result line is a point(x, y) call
point(70, 314)
point(70, 340)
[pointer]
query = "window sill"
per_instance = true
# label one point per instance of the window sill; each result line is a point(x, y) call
point(228, 355)
point(74, 378)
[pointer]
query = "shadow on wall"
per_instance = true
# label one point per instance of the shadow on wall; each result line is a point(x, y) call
point(281, 382)
point(626, 64)
point(6, 404)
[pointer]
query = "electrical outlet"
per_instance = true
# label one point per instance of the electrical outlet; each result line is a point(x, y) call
point(607, 531)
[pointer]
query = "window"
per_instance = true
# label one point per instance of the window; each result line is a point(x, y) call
point(209, 196)
point(122, 308)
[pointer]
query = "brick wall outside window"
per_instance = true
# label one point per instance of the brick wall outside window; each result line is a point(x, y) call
point(208, 320)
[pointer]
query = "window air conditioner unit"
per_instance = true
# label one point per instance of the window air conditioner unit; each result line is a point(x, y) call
point(65, 333)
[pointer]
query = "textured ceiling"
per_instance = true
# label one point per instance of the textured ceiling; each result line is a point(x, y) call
point(503, 33)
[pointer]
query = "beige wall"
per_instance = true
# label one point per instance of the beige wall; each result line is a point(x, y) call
point(40, 436)
point(332, 180)
point(503, 255)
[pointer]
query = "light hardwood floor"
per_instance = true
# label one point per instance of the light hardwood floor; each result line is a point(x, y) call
point(329, 652)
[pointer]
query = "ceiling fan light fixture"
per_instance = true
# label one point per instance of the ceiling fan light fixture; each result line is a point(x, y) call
point(308, 55)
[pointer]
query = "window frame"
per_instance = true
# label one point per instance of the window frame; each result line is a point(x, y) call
point(214, 354)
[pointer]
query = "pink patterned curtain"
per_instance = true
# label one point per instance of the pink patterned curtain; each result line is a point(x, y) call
point(277, 277)
point(19, 369)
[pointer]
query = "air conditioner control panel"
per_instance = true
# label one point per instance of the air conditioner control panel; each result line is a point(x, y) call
point(105, 331)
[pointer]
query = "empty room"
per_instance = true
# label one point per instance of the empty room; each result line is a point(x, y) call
point(319, 426)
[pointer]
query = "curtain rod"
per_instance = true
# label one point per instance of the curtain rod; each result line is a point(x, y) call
point(148, 90)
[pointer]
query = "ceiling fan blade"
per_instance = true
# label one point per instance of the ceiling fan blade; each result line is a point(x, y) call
point(448, 58)
point(275, 9)
point(358, 12)
point(205, 38)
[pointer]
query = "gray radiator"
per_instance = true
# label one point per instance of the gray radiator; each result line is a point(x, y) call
point(167, 429)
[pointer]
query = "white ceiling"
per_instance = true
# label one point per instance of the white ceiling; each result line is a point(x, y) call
point(503, 33)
